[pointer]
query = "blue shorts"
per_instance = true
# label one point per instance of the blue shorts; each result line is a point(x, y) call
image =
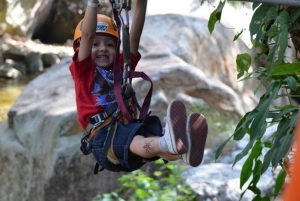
point(121, 143)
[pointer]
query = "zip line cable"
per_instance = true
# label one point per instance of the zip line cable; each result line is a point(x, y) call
point(277, 2)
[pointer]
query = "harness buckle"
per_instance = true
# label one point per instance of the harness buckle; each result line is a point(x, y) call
point(121, 4)
point(85, 144)
point(98, 120)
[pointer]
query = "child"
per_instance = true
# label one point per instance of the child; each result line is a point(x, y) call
point(120, 146)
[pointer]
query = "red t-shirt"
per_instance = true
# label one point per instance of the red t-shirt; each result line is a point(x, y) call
point(83, 74)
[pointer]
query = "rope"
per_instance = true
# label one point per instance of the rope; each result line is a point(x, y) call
point(277, 2)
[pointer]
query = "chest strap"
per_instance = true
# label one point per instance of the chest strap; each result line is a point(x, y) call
point(98, 119)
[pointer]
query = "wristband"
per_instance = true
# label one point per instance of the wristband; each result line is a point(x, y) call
point(93, 5)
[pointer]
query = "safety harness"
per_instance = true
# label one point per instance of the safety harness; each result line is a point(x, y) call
point(126, 105)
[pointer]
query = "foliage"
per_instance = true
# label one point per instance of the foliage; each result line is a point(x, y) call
point(270, 29)
point(166, 184)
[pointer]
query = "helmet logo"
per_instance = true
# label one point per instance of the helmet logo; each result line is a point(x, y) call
point(101, 26)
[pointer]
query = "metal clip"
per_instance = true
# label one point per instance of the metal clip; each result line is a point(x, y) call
point(99, 120)
point(121, 4)
point(85, 142)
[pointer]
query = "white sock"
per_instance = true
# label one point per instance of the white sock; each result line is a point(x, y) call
point(163, 145)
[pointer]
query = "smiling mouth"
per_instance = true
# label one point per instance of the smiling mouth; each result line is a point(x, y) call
point(102, 57)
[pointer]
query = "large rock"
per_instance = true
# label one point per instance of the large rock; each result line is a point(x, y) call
point(50, 21)
point(23, 17)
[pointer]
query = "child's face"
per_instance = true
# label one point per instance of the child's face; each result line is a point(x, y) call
point(104, 50)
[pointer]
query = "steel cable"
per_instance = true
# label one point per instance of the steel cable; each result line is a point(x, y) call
point(277, 2)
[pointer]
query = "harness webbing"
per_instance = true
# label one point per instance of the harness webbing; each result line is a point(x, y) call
point(119, 86)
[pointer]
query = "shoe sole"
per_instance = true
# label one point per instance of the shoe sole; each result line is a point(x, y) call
point(197, 129)
point(177, 121)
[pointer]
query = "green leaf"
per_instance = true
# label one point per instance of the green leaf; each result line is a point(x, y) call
point(280, 41)
point(267, 160)
point(256, 150)
point(257, 20)
point(268, 144)
point(238, 35)
point(257, 198)
point(271, 14)
point(279, 182)
point(286, 69)
point(294, 14)
point(246, 171)
point(243, 62)
point(283, 149)
point(240, 133)
point(261, 131)
point(284, 111)
point(257, 170)
point(220, 149)
point(142, 194)
point(273, 31)
point(292, 83)
point(282, 129)
point(244, 152)
point(255, 190)
point(266, 198)
point(258, 126)
point(215, 16)
point(243, 124)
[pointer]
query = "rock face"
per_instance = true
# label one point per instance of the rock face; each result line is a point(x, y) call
point(16, 16)
point(202, 65)
point(27, 56)
point(50, 21)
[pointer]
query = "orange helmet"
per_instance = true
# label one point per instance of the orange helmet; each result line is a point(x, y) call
point(104, 25)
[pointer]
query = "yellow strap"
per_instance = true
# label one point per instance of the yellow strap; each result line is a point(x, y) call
point(95, 130)
point(111, 154)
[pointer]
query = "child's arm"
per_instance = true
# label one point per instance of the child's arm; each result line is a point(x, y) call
point(137, 25)
point(88, 31)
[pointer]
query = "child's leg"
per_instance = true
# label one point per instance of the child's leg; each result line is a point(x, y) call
point(148, 147)
point(145, 147)
point(174, 140)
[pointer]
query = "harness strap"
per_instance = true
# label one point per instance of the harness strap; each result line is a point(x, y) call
point(89, 134)
point(96, 122)
point(98, 119)
point(131, 74)
point(108, 144)
point(110, 153)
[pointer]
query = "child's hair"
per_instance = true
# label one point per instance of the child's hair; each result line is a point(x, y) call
point(104, 25)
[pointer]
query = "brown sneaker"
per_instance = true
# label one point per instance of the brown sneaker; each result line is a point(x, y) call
point(196, 129)
point(175, 129)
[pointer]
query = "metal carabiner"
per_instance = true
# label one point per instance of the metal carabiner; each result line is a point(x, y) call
point(116, 5)
point(127, 5)
point(121, 4)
